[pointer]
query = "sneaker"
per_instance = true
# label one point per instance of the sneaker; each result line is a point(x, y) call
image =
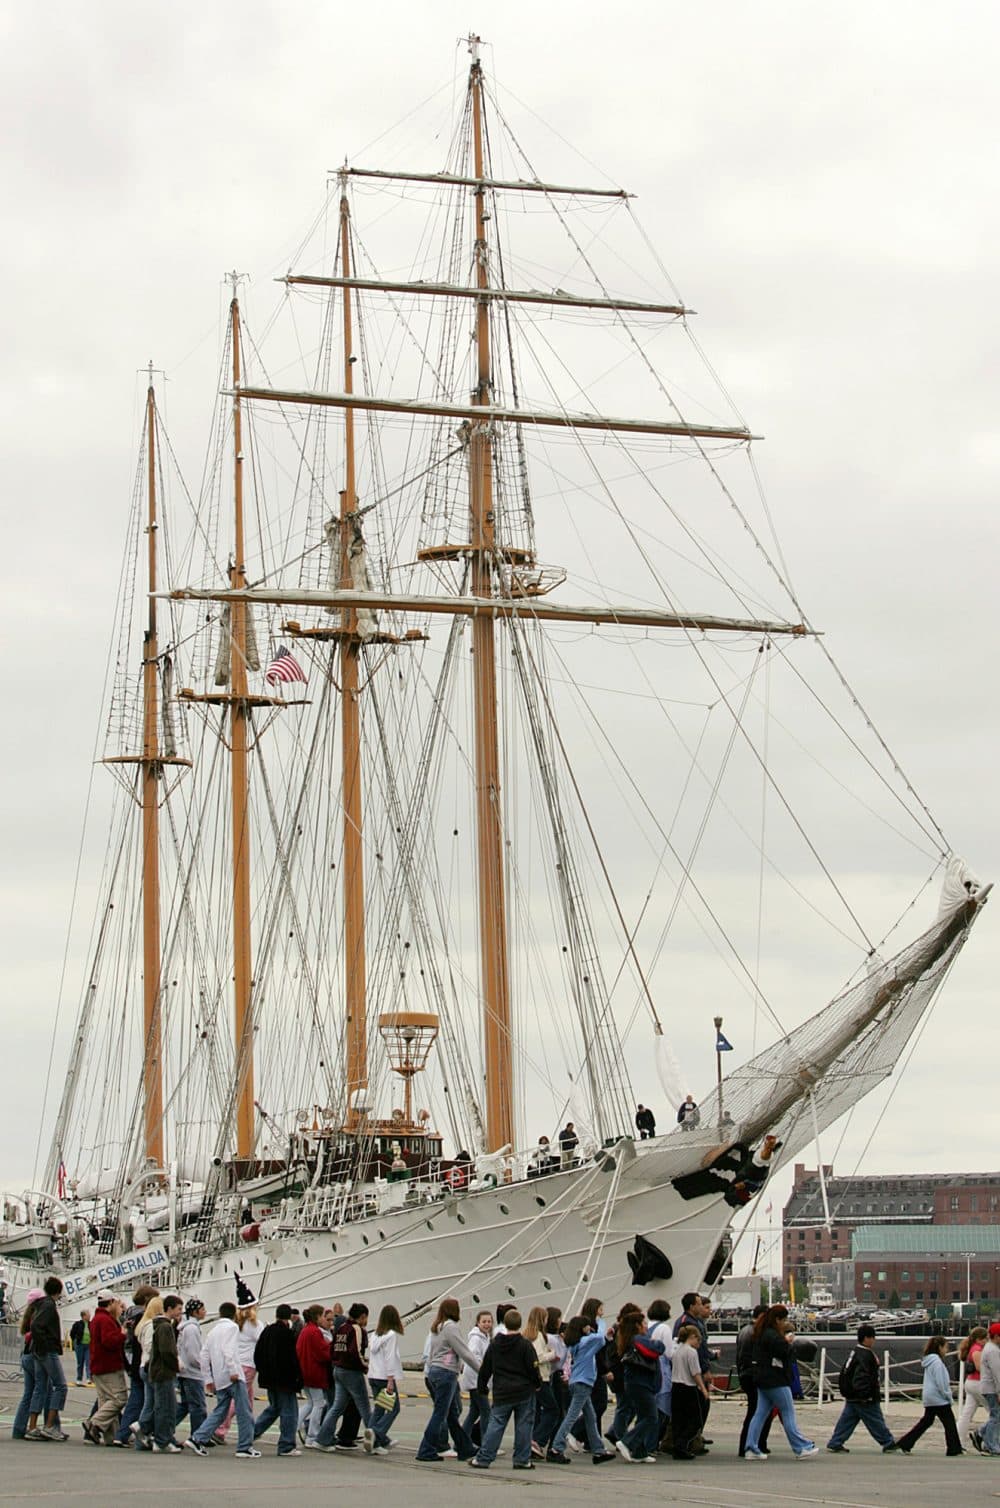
point(79, 1384)
point(893, 1445)
point(601, 1456)
point(524, 1465)
point(975, 1437)
point(810, 1450)
point(647, 1460)
point(134, 1428)
point(623, 1450)
point(34, 1434)
point(330, 1450)
point(250, 1454)
point(53, 1433)
point(754, 1455)
point(369, 1441)
point(479, 1465)
point(347, 1444)
point(119, 1443)
point(449, 1455)
point(166, 1450)
point(839, 1450)
point(199, 1450)
point(89, 1437)
point(293, 1452)
point(312, 1445)
point(423, 1460)
point(219, 1437)
point(377, 1450)
point(557, 1457)
point(575, 1445)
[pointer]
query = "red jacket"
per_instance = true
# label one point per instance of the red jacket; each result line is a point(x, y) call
point(313, 1350)
point(107, 1344)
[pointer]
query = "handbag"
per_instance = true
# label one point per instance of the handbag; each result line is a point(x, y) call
point(385, 1400)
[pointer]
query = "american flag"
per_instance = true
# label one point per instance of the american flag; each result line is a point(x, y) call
point(284, 667)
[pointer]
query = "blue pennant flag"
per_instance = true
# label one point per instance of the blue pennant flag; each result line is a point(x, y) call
point(721, 1045)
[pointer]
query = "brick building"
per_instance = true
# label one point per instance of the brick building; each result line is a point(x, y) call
point(869, 1200)
point(925, 1265)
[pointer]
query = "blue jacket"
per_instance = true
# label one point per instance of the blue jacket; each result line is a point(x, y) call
point(584, 1358)
point(937, 1383)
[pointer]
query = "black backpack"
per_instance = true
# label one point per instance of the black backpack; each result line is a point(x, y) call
point(844, 1379)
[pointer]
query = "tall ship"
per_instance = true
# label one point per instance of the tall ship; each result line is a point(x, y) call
point(467, 741)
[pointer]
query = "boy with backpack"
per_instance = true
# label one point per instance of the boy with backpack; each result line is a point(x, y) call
point(859, 1387)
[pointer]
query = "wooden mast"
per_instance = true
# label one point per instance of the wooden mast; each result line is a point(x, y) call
point(239, 713)
point(152, 1070)
point(495, 981)
point(350, 732)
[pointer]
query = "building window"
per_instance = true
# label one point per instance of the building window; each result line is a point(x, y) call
point(920, 1293)
point(905, 1297)
point(881, 1277)
point(954, 1201)
point(881, 1293)
point(904, 1276)
point(955, 1295)
point(919, 1277)
point(866, 1277)
point(973, 1202)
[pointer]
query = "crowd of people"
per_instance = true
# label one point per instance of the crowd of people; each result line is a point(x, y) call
point(333, 1383)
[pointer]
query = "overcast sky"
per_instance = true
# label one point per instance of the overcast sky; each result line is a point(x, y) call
point(822, 183)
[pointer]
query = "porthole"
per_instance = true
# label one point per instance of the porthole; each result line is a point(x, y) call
point(305, 1251)
point(540, 1201)
point(546, 1285)
point(225, 1266)
point(333, 1246)
point(211, 1271)
point(586, 1276)
point(429, 1224)
point(475, 1298)
point(381, 1235)
point(364, 1239)
point(460, 1218)
point(504, 1210)
point(511, 1293)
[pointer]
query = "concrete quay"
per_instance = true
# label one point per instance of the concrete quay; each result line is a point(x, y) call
point(82, 1475)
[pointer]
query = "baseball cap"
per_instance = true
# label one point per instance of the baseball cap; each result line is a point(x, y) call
point(995, 1329)
point(105, 1296)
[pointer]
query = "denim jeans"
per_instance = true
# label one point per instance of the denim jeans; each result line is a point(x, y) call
point(524, 1416)
point(82, 1361)
point(547, 1415)
point(750, 1388)
point(854, 1413)
point(312, 1411)
point(283, 1406)
point(990, 1432)
point(51, 1366)
point(443, 1387)
point(24, 1407)
point(352, 1387)
point(580, 1407)
point(192, 1405)
point(235, 1394)
point(780, 1399)
point(146, 1412)
point(164, 1410)
point(477, 1420)
point(133, 1407)
point(644, 1436)
point(383, 1419)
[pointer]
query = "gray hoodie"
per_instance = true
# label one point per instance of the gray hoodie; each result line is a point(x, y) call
point(189, 1343)
point(449, 1348)
point(989, 1368)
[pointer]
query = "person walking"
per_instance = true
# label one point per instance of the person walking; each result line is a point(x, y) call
point(744, 1369)
point(190, 1381)
point(107, 1369)
point(46, 1348)
point(658, 1318)
point(385, 1376)
point(511, 1365)
point(547, 1413)
point(250, 1331)
point(988, 1439)
point(448, 1349)
point(969, 1353)
point(277, 1367)
point(640, 1356)
point(585, 1341)
point(79, 1339)
point(688, 1394)
point(477, 1419)
point(133, 1354)
point(142, 1429)
point(349, 1358)
point(936, 1398)
point(26, 1416)
point(312, 1347)
point(771, 1355)
point(224, 1376)
point(859, 1385)
point(162, 1370)
point(695, 1311)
